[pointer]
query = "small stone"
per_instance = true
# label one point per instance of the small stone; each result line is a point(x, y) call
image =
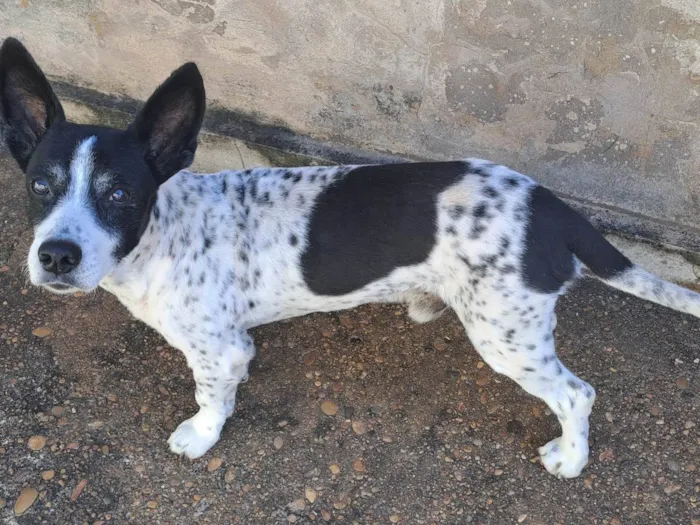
point(615, 521)
point(387, 438)
point(329, 408)
point(112, 398)
point(3, 502)
point(96, 425)
point(25, 500)
point(36, 442)
point(297, 505)
point(477, 442)
point(292, 518)
point(57, 411)
point(310, 358)
point(78, 489)
point(278, 442)
point(42, 331)
point(439, 345)
point(48, 475)
point(358, 427)
point(230, 475)
point(682, 383)
point(609, 417)
point(394, 518)
point(214, 464)
point(655, 411)
point(335, 469)
point(688, 425)
point(498, 472)
point(310, 494)
point(340, 504)
point(4, 269)
point(482, 381)
point(346, 321)
point(326, 515)
point(152, 504)
point(522, 518)
point(358, 465)
point(104, 449)
point(672, 489)
point(606, 455)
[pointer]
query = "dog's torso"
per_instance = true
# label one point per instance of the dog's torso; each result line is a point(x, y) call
point(241, 248)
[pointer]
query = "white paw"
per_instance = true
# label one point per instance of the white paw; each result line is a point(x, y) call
point(564, 460)
point(188, 441)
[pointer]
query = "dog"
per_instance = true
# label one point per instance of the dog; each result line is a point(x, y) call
point(204, 258)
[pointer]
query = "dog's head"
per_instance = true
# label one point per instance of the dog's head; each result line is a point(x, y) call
point(90, 188)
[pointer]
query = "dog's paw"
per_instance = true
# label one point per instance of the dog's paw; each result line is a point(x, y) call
point(563, 460)
point(188, 441)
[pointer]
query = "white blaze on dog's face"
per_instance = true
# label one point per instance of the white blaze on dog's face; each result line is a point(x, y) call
point(91, 189)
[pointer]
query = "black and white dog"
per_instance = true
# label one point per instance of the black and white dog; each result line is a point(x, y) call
point(202, 259)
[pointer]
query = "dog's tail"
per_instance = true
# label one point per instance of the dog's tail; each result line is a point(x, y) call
point(613, 268)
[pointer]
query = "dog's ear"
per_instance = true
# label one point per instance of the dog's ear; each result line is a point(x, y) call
point(169, 123)
point(28, 105)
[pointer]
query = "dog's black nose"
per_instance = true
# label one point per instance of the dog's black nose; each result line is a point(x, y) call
point(59, 256)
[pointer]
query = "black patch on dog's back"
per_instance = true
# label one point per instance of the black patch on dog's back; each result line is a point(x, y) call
point(555, 233)
point(373, 220)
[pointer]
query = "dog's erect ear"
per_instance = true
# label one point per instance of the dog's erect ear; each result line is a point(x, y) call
point(169, 123)
point(28, 105)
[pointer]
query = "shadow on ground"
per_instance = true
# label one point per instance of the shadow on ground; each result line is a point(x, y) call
point(424, 432)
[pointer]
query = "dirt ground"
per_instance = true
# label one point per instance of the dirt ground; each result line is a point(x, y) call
point(424, 433)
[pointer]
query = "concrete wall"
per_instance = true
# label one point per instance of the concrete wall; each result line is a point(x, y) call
point(598, 99)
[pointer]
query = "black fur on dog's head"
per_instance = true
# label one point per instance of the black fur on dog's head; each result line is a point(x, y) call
point(91, 188)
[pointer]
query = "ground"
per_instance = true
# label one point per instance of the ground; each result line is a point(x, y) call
point(422, 432)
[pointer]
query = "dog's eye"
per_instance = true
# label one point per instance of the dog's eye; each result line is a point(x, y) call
point(119, 195)
point(40, 187)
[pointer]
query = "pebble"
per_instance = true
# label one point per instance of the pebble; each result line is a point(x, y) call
point(310, 358)
point(329, 408)
point(292, 518)
point(358, 465)
point(214, 464)
point(36, 442)
point(310, 495)
point(78, 489)
point(48, 475)
point(606, 455)
point(25, 500)
point(522, 518)
point(230, 475)
point(57, 411)
point(152, 504)
point(42, 331)
point(326, 515)
point(498, 472)
point(278, 442)
point(655, 411)
point(482, 381)
point(346, 321)
point(394, 518)
point(335, 469)
point(439, 345)
point(682, 383)
point(672, 489)
point(358, 427)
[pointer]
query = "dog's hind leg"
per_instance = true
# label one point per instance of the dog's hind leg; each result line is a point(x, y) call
point(217, 372)
point(515, 339)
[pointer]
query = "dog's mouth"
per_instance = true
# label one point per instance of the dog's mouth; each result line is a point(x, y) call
point(60, 288)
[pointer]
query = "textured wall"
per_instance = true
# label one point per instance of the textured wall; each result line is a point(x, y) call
point(599, 99)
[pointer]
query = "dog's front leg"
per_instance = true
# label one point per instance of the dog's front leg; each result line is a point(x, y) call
point(217, 372)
